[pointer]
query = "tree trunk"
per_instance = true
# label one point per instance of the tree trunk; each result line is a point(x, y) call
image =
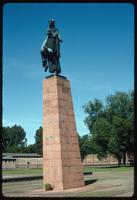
point(119, 162)
point(124, 159)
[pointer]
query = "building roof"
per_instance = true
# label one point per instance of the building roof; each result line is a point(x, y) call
point(8, 158)
point(15, 155)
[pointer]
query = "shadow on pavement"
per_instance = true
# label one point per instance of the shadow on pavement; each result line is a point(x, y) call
point(87, 182)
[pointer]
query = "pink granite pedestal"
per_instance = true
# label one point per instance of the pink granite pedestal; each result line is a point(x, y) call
point(62, 166)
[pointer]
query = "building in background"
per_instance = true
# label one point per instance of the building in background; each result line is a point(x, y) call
point(34, 160)
point(21, 160)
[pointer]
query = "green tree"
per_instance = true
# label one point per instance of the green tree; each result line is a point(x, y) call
point(97, 124)
point(14, 139)
point(38, 146)
point(31, 148)
point(85, 145)
point(119, 139)
point(100, 137)
point(131, 146)
point(120, 112)
point(5, 131)
point(93, 110)
point(111, 126)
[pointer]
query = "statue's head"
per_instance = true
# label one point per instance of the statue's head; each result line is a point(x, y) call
point(51, 23)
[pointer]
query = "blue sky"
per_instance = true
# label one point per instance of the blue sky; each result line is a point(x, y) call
point(97, 56)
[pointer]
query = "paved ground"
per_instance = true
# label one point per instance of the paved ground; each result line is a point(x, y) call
point(100, 184)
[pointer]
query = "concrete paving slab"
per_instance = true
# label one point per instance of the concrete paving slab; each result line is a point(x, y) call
point(98, 185)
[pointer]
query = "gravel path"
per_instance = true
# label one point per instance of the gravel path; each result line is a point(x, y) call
point(100, 184)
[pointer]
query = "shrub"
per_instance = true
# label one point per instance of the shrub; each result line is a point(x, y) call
point(48, 186)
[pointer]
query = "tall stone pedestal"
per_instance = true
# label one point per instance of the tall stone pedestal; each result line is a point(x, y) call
point(62, 166)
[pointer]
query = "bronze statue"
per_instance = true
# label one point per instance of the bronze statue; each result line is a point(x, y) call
point(50, 50)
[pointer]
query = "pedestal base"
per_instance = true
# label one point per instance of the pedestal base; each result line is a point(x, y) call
point(62, 166)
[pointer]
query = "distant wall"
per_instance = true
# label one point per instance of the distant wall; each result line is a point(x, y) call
point(92, 159)
point(29, 162)
point(23, 163)
point(8, 164)
point(37, 162)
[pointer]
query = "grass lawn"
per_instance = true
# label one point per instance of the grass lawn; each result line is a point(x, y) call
point(107, 169)
point(22, 171)
point(38, 171)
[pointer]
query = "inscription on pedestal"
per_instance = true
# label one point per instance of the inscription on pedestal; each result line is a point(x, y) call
point(51, 138)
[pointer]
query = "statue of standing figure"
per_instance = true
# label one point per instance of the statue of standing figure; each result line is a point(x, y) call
point(50, 50)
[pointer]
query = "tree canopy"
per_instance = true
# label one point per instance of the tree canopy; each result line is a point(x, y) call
point(14, 139)
point(85, 146)
point(111, 126)
point(37, 147)
point(39, 141)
